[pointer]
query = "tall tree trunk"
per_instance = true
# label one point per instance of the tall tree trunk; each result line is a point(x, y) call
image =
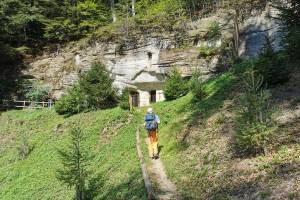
point(236, 36)
point(127, 17)
point(133, 7)
point(113, 13)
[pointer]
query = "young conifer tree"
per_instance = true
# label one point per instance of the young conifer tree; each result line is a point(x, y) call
point(75, 162)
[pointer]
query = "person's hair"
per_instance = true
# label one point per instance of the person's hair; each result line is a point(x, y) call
point(150, 110)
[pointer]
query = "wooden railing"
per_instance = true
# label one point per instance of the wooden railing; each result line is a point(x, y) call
point(27, 104)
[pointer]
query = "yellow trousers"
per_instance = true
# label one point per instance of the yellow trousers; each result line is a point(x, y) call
point(153, 146)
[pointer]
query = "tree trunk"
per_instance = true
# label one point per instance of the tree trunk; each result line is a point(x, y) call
point(236, 36)
point(112, 7)
point(133, 7)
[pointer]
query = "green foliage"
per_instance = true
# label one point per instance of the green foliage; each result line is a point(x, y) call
point(76, 21)
point(159, 16)
point(272, 66)
point(94, 91)
point(75, 162)
point(124, 100)
point(206, 51)
point(61, 30)
point(290, 14)
point(71, 103)
point(113, 167)
point(214, 30)
point(175, 86)
point(254, 127)
point(10, 67)
point(37, 92)
point(196, 86)
point(97, 87)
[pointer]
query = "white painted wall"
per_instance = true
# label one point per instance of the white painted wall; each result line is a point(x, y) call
point(144, 98)
point(160, 96)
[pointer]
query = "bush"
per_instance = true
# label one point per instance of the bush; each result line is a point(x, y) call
point(196, 86)
point(175, 86)
point(124, 99)
point(37, 92)
point(214, 30)
point(97, 87)
point(206, 51)
point(253, 138)
point(95, 90)
point(72, 103)
point(254, 127)
point(272, 66)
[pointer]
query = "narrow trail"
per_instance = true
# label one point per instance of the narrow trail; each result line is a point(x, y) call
point(166, 189)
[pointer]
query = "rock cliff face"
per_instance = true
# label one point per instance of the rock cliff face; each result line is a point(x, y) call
point(257, 29)
point(148, 63)
point(153, 58)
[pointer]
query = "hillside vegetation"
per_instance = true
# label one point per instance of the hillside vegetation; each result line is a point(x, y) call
point(196, 141)
point(110, 140)
point(234, 135)
point(197, 144)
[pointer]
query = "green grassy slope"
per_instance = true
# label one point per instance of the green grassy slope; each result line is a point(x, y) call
point(196, 148)
point(195, 139)
point(110, 139)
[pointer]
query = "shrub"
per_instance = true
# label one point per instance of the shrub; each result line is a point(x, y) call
point(272, 66)
point(72, 103)
point(124, 99)
point(254, 127)
point(196, 86)
point(175, 86)
point(37, 92)
point(206, 51)
point(97, 87)
point(214, 30)
point(95, 90)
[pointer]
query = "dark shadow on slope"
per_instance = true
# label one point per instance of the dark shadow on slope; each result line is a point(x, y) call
point(237, 190)
point(224, 87)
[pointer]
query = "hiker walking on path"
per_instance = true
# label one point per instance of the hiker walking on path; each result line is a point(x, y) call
point(151, 125)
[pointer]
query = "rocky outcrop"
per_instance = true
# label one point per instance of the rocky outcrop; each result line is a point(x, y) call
point(149, 62)
point(257, 29)
point(152, 58)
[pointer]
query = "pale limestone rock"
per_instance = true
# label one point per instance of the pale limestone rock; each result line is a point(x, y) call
point(145, 67)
